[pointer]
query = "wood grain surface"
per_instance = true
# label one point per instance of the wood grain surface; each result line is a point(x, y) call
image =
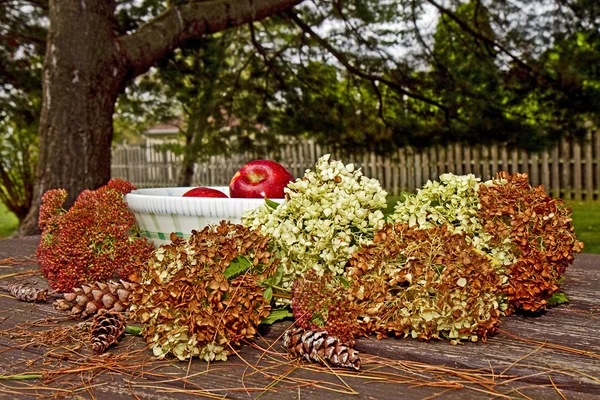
point(554, 355)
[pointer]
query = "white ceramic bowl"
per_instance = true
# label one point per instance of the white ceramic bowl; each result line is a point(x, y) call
point(160, 211)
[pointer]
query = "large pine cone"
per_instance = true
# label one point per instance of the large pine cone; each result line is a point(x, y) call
point(107, 328)
point(88, 299)
point(319, 346)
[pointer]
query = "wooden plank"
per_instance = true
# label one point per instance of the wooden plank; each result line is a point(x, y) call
point(589, 167)
point(494, 160)
point(534, 170)
point(545, 177)
point(504, 156)
point(514, 161)
point(524, 157)
point(450, 164)
point(577, 170)
point(555, 171)
point(418, 177)
point(458, 160)
point(441, 160)
point(566, 183)
point(485, 163)
point(476, 164)
point(561, 343)
point(403, 169)
point(433, 163)
point(392, 185)
point(424, 168)
point(467, 162)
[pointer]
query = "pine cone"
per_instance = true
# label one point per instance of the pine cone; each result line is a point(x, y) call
point(88, 299)
point(107, 328)
point(26, 292)
point(320, 347)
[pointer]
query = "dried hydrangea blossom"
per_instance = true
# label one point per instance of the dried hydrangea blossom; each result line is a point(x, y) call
point(425, 283)
point(95, 240)
point(328, 213)
point(540, 231)
point(192, 303)
point(453, 201)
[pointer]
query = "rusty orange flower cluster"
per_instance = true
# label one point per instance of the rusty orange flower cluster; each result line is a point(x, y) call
point(94, 240)
point(541, 232)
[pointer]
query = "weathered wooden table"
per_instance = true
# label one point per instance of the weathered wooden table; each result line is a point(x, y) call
point(551, 356)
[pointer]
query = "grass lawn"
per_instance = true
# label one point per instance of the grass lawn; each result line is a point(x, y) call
point(8, 221)
point(586, 218)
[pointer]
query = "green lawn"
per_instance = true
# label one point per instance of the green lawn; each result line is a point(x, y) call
point(8, 221)
point(586, 218)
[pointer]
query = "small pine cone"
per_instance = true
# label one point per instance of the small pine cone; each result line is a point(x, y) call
point(320, 347)
point(107, 328)
point(26, 292)
point(88, 299)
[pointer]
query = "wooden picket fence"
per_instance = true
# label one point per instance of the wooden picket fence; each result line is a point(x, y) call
point(570, 170)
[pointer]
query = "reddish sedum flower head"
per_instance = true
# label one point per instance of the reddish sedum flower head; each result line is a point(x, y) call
point(95, 240)
point(322, 303)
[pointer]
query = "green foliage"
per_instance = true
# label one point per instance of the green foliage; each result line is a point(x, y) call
point(22, 45)
point(557, 298)
point(277, 314)
point(8, 221)
point(238, 266)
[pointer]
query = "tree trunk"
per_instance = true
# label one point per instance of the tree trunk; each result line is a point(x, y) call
point(83, 72)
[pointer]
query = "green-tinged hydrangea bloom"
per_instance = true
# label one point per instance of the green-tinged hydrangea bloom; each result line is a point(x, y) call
point(327, 214)
point(453, 201)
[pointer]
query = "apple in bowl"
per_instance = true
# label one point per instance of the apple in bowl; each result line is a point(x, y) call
point(260, 179)
point(204, 192)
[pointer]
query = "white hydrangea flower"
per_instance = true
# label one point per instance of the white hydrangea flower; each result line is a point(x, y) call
point(327, 214)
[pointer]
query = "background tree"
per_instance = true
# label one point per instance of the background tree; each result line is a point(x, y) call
point(381, 56)
point(215, 85)
point(87, 65)
point(22, 45)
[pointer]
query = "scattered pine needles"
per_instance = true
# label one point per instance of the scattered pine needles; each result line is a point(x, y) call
point(54, 361)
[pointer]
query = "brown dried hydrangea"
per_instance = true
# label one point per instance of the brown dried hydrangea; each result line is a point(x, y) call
point(322, 303)
point(198, 296)
point(424, 283)
point(541, 232)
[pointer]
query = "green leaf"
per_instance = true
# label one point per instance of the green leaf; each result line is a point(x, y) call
point(277, 314)
point(238, 265)
point(133, 330)
point(272, 204)
point(20, 377)
point(268, 293)
point(344, 282)
point(557, 298)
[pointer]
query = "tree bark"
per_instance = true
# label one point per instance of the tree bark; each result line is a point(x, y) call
point(83, 72)
point(86, 66)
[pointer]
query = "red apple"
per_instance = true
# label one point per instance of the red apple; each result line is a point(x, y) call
point(259, 179)
point(204, 192)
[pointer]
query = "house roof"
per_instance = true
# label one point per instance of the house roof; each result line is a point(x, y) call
point(171, 127)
